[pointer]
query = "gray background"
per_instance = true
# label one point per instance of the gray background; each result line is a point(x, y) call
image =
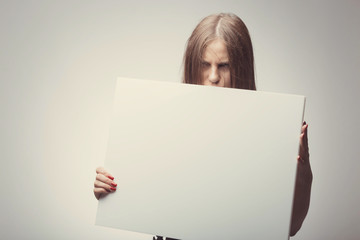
point(58, 65)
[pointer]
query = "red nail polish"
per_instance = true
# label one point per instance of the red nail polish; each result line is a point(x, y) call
point(112, 188)
point(112, 178)
point(114, 184)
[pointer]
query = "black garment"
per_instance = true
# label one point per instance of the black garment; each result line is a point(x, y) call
point(161, 238)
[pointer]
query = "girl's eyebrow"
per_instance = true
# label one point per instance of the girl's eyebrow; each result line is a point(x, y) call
point(221, 62)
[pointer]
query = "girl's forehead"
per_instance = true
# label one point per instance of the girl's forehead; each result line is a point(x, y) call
point(216, 51)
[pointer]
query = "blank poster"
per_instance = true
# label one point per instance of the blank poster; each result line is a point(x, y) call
point(197, 162)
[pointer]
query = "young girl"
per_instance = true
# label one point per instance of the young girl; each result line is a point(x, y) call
point(219, 53)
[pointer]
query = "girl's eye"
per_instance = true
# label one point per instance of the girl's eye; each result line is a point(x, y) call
point(223, 65)
point(205, 64)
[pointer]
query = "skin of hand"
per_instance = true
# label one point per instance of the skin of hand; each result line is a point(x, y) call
point(104, 183)
point(303, 183)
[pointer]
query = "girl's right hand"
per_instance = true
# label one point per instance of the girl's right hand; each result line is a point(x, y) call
point(104, 183)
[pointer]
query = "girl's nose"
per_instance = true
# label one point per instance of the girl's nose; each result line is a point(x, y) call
point(214, 75)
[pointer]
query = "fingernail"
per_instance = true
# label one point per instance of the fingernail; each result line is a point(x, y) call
point(111, 177)
point(112, 188)
point(114, 184)
point(304, 123)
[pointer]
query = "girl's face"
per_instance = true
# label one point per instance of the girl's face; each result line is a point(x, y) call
point(215, 65)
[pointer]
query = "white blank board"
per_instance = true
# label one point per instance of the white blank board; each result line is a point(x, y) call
point(197, 162)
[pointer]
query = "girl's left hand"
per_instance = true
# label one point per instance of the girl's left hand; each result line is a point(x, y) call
point(303, 183)
point(303, 156)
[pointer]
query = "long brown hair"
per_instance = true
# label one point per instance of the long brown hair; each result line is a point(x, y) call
point(232, 30)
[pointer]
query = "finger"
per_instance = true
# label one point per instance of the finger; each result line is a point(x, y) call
point(303, 128)
point(306, 135)
point(303, 150)
point(99, 192)
point(102, 171)
point(302, 140)
point(303, 143)
point(108, 188)
point(303, 137)
point(303, 156)
point(105, 180)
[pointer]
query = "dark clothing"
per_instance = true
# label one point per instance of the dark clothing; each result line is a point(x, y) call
point(161, 238)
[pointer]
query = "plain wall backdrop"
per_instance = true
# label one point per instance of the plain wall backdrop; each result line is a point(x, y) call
point(59, 61)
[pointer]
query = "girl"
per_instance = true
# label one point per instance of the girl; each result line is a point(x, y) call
point(219, 53)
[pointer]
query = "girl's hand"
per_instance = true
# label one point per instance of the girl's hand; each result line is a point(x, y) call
point(304, 148)
point(304, 173)
point(303, 183)
point(104, 183)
